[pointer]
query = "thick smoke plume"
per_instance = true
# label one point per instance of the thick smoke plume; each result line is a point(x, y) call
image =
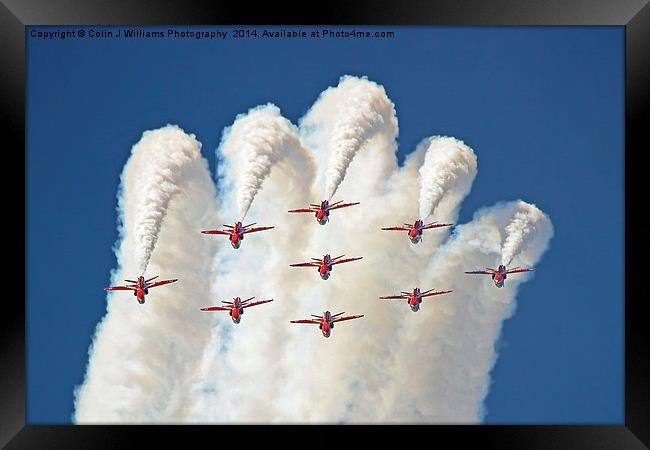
point(160, 156)
point(449, 164)
point(254, 144)
point(144, 357)
point(449, 349)
point(362, 110)
point(523, 223)
point(178, 364)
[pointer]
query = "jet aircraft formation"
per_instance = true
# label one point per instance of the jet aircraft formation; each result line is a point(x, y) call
point(324, 265)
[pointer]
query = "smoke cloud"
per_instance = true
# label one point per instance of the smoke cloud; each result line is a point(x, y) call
point(254, 144)
point(449, 349)
point(522, 224)
point(143, 357)
point(449, 164)
point(160, 156)
point(350, 115)
point(179, 364)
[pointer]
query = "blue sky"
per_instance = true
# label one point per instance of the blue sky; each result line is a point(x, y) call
point(541, 106)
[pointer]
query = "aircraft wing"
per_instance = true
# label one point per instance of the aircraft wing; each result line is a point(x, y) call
point(346, 260)
point(391, 297)
point(435, 293)
point(519, 270)
point(396, 229)
point(253, 230)
point(305, 265)
point(301, 210)
point(215, 232)
point(306, 321)
point(341, 319)
point(481, 272)
point(257, 303)
point(343, 205)
point(436, 225)
point(160, 283)
point(120, 288)
point(215, 308)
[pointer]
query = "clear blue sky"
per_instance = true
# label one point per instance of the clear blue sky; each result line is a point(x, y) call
point(542, 107)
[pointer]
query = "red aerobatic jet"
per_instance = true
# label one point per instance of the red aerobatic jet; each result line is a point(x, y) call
point(326, 321)
point(323, 210)
point(140, 288)
point(415, 230)
point(236, 232)
point(325, 264)
point(413, 299)
point(236, 307)
point(499, 275)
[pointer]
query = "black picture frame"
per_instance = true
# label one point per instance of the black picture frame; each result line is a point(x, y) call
point(634, 15)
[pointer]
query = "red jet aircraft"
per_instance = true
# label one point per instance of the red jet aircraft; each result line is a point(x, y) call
point(236, 232)
point(413, 299)
point(325, 264)
point(499, 275)
point(140, 288)
point(415, 230)
point(236, 307)
point(326, 321)
point(323, 210)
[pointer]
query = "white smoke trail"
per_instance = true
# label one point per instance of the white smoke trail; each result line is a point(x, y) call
point(356, 361)
point(448, 164)
point(358, 109)
point(523, 223)
point(143, 357)
point(254, 144)
point(242, 367)
point(448, 349)
point(263, 353)
point(390, 382)
point(392, 365)
point(298, 368)
point(322, 372)
point(156, 182)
